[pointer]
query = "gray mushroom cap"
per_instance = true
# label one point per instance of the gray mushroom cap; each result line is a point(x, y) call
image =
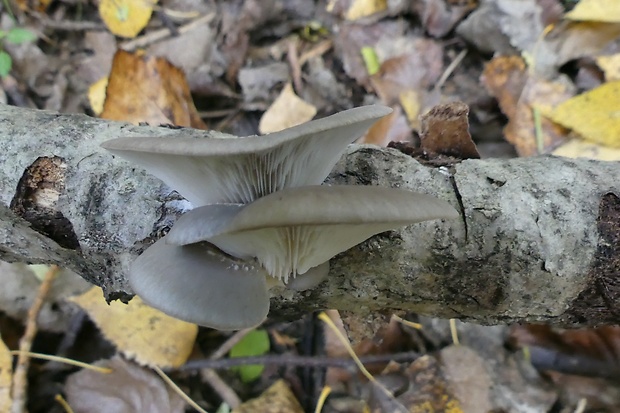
point(199, 284)
point(209, 171)
point(296, 229)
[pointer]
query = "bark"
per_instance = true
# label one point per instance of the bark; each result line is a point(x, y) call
point(539, 238)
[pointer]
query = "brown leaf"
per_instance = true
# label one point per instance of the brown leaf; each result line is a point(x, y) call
point(439, 17)
point(286, 111)
point(519, 93)
point(149, 89)
point(276, 399)
point(445, 130)
point(128, 389)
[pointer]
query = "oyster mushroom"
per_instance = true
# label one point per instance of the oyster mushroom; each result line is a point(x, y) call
point(225, 169)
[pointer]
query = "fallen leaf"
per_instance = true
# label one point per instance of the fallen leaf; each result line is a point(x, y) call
point(128, 389)
point(286, 111)
point(578, 148)
point(126, 18)
point(445, 130)
point(594, 115)
point(595, 10)
point(6, 375)
point(519, 92)
point(364, 8)
point(467, 378)
point(96, 95)
point(140, 332)
point(610, 65)
point(276, 399)
point(439, 17)
point(149, 89)
point(255, 343)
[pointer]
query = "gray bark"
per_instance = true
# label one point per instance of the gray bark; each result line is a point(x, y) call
point(538, 239)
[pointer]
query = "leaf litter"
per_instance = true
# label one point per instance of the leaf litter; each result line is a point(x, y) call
point(531, 76)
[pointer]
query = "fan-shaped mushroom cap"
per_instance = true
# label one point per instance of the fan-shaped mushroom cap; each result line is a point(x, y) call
point(198, 284)
point(295, 229)
point(209, 171)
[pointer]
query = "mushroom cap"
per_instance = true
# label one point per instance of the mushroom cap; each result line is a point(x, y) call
point(295, 229)
point(199, 284)
point(209, 171)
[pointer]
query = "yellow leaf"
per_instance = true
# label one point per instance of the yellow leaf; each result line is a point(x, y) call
point(595, 115)
point(6, 374)
point(596, 10)
point(577, 148)
point(365, 8)
point(96, 95)
point(140, 332)
point(286, 111)
point(276, 399)
point(610, 65)
point(126, 18)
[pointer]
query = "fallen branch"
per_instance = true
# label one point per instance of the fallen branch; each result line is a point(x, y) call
point(539, 238)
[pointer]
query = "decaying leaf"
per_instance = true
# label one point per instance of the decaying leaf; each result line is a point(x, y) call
point(96, 95)
point(445, 130)
point(364, 8)
point(126, 18)
point(276, 399)
point(578, 148)
point(128, 389)
point(520, 93)
point(286, 111)
point(6, 375)
point(610, 65)
point(594, 115)
point(596, 10)
point(140, 332)
point(149, 89)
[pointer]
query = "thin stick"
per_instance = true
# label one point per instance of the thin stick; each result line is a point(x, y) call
point(293, 62)
point(451, 67)
point(20, 376)
point(63, 403)
point(319, 50)
point(161, 34)
point(322, 397)
point(454, 332)
point(215, 381)
point(293, 360)
point(59, 359)
point(177, 390)
point(408, 323)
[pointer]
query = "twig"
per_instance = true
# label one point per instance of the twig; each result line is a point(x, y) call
point(293, 360)
point(215, 381)
point(319, 50)
point(63, 403)
point(20, 377)
point(451, 67)
point(68, 25)
point(178, 390)
point(161, 34)
point(293, 62)
point(59, 359)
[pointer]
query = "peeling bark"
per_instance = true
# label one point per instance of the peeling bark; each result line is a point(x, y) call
point(539, 238)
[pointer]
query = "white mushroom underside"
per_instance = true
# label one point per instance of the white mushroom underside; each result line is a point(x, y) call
point(288, 251)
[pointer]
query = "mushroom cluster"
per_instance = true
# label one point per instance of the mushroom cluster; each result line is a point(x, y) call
point(260, 213)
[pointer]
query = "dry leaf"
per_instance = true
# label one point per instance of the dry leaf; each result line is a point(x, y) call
point(96, 95)
point(276, 399)
point(140, 332)
point(445, 130)
point(519, 92)
point(126, 18)
point(6, 375)
point(596, 10)
point(364, 8)
point(286, 111)
point(594, 114)
point(128, 389)
point(577, 148)
point(149, 89)
point(610, 65)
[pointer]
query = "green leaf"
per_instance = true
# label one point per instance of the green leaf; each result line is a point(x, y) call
point(255, 343)
point(371, 60)
point(18, 35)
point(5, 63)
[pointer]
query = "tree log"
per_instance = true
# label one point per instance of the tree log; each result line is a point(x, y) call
point(538, 240)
